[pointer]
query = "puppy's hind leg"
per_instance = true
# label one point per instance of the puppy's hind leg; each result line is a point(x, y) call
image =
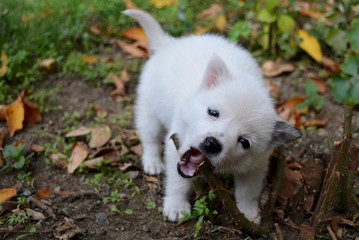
point(151, 135)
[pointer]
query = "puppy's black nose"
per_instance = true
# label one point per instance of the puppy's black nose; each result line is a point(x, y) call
point(211, 145)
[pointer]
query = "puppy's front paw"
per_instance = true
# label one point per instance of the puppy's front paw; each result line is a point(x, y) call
point(251, 213)
point(173, 209)
point(152, 167)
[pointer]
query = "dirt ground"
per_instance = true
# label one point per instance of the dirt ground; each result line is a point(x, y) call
point(79, 202)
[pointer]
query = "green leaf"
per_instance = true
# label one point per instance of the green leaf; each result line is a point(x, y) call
point(336, 38)
point(313, 98)
point(285, 23)
point(351, 65)
point(353, 35)
point(354, 93)
point(238, 30)
point(19, 164)
point(151, 205)
point(340, 88)
point(32, 229)
point(266, 16)
point(271, 4)
point(9, 151)
point(128, 211)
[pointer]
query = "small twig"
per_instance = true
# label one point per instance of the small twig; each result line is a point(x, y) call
point(43, 206)
point(278, 231)
point(278, 179)
point(345, 186)
point(332, 234)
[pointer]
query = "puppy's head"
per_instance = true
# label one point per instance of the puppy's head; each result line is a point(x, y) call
point(230, 123)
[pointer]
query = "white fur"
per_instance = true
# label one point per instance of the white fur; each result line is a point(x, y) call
point(184, 77)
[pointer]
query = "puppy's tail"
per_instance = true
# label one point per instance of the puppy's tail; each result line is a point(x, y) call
point(157, 37)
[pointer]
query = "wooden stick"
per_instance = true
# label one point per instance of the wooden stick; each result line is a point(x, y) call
point(337, 184)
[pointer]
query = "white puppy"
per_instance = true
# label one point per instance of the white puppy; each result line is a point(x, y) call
point(210, 92)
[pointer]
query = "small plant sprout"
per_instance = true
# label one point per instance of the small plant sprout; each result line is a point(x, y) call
point(151, 205)
point(18, 161)
point(201, 211)
point(117, 209)
point(115, 197)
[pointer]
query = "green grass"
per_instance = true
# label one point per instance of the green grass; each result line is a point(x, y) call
point(34, 30)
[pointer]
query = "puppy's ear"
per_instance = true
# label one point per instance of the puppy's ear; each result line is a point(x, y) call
point(216, 73)
point(283, 133)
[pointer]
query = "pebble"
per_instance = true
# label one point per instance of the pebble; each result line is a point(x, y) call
point(145, 228)
point(101, 219)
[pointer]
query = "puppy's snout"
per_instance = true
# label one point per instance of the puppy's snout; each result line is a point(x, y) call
point(211, 145)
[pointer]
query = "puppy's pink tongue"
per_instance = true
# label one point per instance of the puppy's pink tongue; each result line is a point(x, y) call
point(190, 162)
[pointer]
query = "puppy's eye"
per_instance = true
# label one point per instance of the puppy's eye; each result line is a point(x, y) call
point(246, 144)
point(213, 112)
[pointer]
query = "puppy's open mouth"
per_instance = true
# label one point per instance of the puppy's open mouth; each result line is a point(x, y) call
point(190, 163)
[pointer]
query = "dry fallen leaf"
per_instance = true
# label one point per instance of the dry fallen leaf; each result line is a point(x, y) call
point(134, 49)
point(110, 154)
point(310, 45)
point(89, 59)
point(95, 30)
point(333, 66)
point(94, 163)
point(213, 10)
point(306, 232)
point(32, 112)
point(136, 34)
point(15, 115)
point(201, 30)
point(315, 123)
point(129, 137)
point(137, 149)
point(308, 9)
point(292, 180)
point(312, 14)
point(99, 136)
point(320, 83)
point(37, 148)
point(139, 47)
point(220, 23)
point(81, 131)
point(35, 215)
point(130, 5)
point(100, 112)
point(66, 229)
point(78, 155)
point(288, 111)
point(120, 82)
point(7, 194)
point(162, 3)
point(272, 69)
point(2, 112)
point(47, 64)
point(4, 64)
point(59, 160)
point(153, 183)
point(126, 166)
point(20, 111)
point(43, 193)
